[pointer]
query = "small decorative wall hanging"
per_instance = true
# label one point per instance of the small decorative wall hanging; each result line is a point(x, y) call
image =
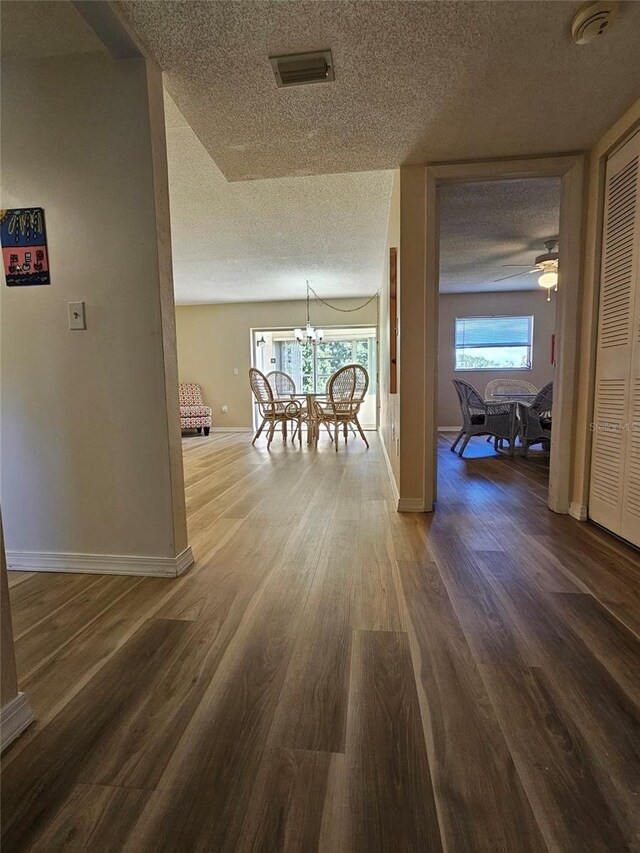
point(24, 247)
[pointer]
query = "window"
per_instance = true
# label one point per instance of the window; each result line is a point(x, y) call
point(312, 366)
point(493, 343)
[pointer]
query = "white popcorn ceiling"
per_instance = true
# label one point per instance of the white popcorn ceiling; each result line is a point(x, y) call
point(485, 225)
point(415, 81)
point(260, 240)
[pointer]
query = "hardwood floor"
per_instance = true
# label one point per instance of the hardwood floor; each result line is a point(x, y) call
point(333, 676)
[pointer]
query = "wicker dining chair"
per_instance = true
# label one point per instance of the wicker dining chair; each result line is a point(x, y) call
point(506, 386)
point(273, 410)
point(281, 383)
point(480, 417)
point(345, 392)
point(284, 388)
point(535, 419)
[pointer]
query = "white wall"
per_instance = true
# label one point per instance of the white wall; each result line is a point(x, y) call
point(85, 445)
point(516, 303)
point(215, 339)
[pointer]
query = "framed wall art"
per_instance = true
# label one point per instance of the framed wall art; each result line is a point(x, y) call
point(24, 247)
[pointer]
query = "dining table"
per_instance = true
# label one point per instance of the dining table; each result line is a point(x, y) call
point(512, 400)
point(311, 397)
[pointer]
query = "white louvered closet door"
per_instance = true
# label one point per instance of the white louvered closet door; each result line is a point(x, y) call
point(614, 499)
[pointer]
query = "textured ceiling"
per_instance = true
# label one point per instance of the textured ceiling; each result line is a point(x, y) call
point(486, 225)
point(260, 240)
point(415, 81)
point(32, 28)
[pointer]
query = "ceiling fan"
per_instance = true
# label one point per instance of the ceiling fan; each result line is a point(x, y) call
point(546, 264)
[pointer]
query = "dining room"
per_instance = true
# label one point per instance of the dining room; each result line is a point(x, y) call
point(322, 378)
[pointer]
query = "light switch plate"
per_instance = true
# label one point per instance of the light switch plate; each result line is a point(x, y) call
point(77, 318)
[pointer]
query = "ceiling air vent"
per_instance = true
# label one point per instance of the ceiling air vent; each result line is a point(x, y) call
point(298, 69)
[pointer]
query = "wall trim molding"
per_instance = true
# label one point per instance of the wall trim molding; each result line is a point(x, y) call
point(15, 716)
point(231, 429)
point(392, 479)
point(578, 511)
point(100, 564)
point(411, 505)
point(449, 429)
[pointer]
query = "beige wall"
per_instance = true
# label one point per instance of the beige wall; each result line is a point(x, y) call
point(86, 443)
point(629, 122)
point(417, 376)
point(389, 406)
point(213, 340)
point(524, 302)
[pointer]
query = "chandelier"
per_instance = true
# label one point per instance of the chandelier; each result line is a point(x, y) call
point(308, 335)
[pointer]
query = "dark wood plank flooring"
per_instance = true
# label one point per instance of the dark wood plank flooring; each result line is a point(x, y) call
point(334, 676)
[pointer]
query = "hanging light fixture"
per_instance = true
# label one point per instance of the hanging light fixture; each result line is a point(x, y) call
point(308, 335)
point(548, 263)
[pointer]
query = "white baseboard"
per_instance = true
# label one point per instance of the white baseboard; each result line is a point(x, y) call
point(231, 429)
point(402, 504)
point(578, 511)
point(449, 429)
point(411, 505)
point(392, 479)
point(100, 564)
point(15, 716)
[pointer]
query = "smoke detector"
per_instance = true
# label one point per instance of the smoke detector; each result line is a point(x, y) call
point(593, 20)
point(298, 69)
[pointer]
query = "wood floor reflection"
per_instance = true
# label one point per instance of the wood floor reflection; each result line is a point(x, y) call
point(333, 676)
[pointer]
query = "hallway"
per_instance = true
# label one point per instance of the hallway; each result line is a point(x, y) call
point(334, 676)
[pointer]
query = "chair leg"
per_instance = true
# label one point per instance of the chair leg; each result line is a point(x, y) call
point(328, 428)
point(284, 430)
point(198, 430)
point(337, 427)
point(458, 437)
point(259, 432)
point(464, 444)
point(272, 429)
point(206, 430)
point(361, 431)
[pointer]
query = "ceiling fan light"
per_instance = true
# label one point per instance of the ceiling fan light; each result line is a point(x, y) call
point(548, 280)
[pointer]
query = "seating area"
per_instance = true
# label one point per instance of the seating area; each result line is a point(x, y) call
point(337, 409)
point(512, 411)
point(193, 412)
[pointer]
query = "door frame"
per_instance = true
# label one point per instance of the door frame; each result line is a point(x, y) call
point(570, 169)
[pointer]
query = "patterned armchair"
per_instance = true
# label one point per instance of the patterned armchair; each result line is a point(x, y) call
point(193, 413)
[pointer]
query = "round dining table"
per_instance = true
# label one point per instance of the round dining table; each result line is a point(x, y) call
point(312, 422)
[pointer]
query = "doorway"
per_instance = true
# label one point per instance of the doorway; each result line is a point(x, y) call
point(498, 249)
point(420, 314)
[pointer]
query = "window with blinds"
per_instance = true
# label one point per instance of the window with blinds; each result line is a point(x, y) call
point(493, 343)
